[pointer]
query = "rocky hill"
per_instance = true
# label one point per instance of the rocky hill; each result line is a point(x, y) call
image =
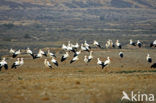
point(61, 20)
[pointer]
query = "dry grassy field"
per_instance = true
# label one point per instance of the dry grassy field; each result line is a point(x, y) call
point(78, 82)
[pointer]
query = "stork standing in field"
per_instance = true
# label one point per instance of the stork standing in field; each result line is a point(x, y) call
point(83, 48)
point(111, 44)
point(153, 65)
point(97, 44)
point(51, 54)
point(90, 57)
point(28, 51)
point(148, 58)
point(85, 59)
point(153, 44)
point(77, 53)
point(16, 63)
point(107, 45)
point(4, 64)
point(47, 64)
point(87, 45)
point(64, 57)
point(69, 44)
point(121, 54)
point(68, 47)
point(118, 44)
point(38, 55)
point(74, 59)
point(12, 51)
point(76, 46)
point(42, 52)
point(132, 43)
point(139, 44)
point(99, 62)
point(15, 53)
point(21, 61)
point(105, 63)
point(64, 47)
point(54, 61)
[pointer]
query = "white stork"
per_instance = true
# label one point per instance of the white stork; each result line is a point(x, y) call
point(64, 57)
point(53, 60)
point(15, 53)
point(118, 44)
point(132, 43)
point(139, 44)
point(74, 59)
point(38, 55)
point(121, 54)
point(107, 62)
point(99, 62)
point(64, 47)
point(148, 58)
point(97, 44)
point(28, 51)
point(87, 45)
point(153, 44)
point(47, 64)
point(77, 53)
point(12, 51)
point(4, 64)
point(51, 54)
point(85, 59)
point(21, 62)
point(90, 57)
point(42, 52)
point(16, 63)
point(111, 43)
point(83, 48)
point(103, 64)
point(153, 65)
point(76, 46)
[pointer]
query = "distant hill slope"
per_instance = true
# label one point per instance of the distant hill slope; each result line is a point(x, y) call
point(61, 20)
point(80, 3)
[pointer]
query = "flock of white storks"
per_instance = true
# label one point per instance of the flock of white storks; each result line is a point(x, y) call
point(77, 50)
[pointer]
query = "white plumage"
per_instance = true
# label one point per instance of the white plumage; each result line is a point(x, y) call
point(64, 57)
point(103, 64)
point(74, 59)
point(90, 57)
point(118, 44)
point(54, 61)
point(15, 53)
point(29, 51)
point(148, 58)
point(97, 44)
point(51, 54)
point(107, 62)
point(16, 63)
point(47, 64)
point(4, 64)
point(139, 44)
point(64, 47)
point(85, 59)
point(21, 62)
point(77, 53)
point(132, 43)
point(83, 48)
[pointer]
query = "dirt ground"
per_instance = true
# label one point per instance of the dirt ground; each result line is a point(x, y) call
point(79, 82)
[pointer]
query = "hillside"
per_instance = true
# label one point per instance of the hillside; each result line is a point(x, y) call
point(61, 20)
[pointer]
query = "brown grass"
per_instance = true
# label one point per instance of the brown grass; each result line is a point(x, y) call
point(79, 83)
